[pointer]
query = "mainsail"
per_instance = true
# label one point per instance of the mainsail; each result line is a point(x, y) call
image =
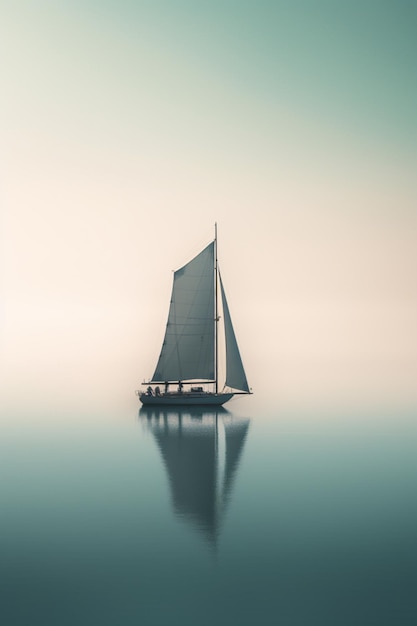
point(188, 348)
point(235, 374)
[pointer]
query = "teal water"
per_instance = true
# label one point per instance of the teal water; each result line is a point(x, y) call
point(202, 518)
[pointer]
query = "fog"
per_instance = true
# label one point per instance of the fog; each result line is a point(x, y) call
point(121, 151)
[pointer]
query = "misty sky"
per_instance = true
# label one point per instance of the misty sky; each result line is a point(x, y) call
point(128, 128)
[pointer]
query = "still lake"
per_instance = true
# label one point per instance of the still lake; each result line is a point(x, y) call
point(197, 517)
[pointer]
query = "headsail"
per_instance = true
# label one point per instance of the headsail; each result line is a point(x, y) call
point(188, 348)
point(235, 374)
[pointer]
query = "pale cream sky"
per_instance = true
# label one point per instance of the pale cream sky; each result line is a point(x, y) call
point(124, 140)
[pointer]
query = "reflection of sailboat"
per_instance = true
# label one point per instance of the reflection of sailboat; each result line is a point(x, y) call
point(190, 350)
point(201, 450)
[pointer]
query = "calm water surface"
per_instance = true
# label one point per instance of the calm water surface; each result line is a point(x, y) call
point(169, 517)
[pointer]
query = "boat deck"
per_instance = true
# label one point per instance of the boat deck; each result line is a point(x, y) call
point(185, 398)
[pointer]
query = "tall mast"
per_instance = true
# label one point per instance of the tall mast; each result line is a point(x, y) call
point(216, 313)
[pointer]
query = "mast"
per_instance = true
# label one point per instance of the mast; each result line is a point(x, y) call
point(216, 314)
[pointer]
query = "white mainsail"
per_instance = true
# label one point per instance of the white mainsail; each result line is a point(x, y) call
point(235, 374)
point(188, 348)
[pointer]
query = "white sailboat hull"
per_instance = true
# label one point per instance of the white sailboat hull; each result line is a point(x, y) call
point(186, 399)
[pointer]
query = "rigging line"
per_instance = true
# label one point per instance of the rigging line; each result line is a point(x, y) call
point(216, 314)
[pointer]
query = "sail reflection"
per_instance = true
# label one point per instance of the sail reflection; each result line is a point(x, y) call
point(201, 449)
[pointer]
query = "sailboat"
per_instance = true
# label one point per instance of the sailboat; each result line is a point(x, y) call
point(188, 365)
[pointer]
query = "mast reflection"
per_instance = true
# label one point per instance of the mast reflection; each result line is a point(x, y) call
point(201, 449)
